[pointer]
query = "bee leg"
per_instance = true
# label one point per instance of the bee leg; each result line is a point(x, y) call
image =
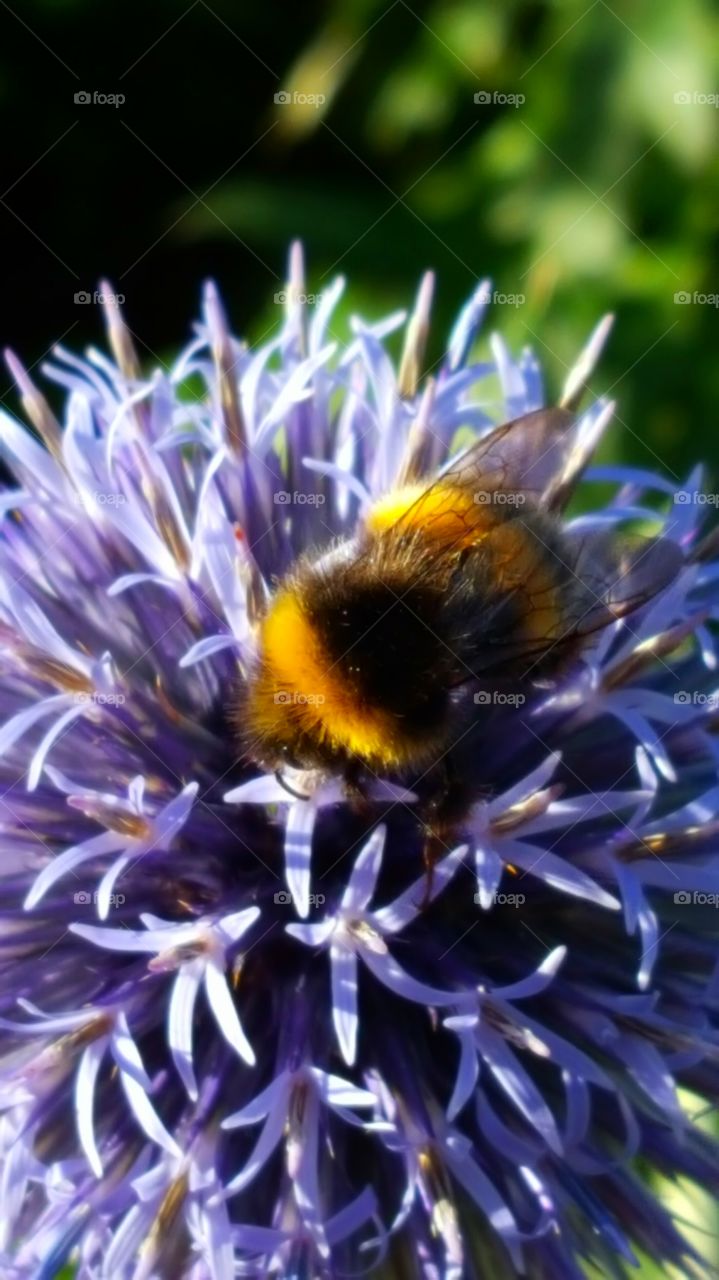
point(356, 790)
point(441, 816)
point(432, 851)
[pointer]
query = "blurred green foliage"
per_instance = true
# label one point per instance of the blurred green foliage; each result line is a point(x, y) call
point(596, 192)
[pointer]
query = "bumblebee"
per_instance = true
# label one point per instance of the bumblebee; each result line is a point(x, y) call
point(369, 654)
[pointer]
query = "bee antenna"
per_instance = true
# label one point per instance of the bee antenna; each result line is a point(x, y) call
point(298, 795)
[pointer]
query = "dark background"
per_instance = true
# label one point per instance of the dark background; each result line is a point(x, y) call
point(598, 193)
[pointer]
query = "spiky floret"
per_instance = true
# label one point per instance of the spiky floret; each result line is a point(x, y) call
point(237, 1036)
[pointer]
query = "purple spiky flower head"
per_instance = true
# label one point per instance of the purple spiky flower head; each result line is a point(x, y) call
point(239, 1037)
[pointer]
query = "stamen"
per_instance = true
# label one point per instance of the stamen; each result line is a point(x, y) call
point(166, 1215)
point(370, 938)
point(410, 369)
point(119, 336)
point(415, 462)
point(659, 646)
point(225, 362)
point(112, 817)
point(583, 367)
point(37, 408)
point(534, 805)
point(57, 673)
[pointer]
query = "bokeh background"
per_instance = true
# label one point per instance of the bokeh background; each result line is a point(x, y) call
point(593, 187)
point(566, 150)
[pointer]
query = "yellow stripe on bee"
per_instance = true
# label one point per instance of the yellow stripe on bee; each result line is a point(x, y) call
point(443, 513)
point(458, 516)
point(300, 680)
point(520, 561)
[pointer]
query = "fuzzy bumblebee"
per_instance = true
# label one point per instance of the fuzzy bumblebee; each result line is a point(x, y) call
point(368, 653)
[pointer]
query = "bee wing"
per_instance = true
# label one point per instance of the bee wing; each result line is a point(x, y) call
point(610, 578)
point(540, 455)
point(529, 455)
point(623, 573)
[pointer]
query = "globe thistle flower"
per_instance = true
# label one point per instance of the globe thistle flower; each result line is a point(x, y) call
point(240, 1035)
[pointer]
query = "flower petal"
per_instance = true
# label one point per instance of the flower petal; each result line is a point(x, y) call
point(269, 1139)
point(96, 847)
point(537, 981)
point(263, 790)
point(398, 914)
point(338, 1092)
point(223, 1007)
point(180, 1021)
point(391, 974)
point(18, 725)
point(298, 852)
point(105, 891)
point(273, 1097)
point(559, 873)
point(343, 962)
point(363, 877)
point(85, 1082)
point(516, 1083)
point(39, 756)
